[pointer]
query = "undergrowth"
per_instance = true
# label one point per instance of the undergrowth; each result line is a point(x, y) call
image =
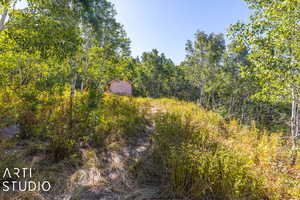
point(202, 157)
point(197, 154)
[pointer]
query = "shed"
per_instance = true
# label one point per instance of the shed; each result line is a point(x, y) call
point(123, 88)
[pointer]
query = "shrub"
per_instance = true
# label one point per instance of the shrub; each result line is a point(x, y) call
point(61, 146)
point(117, 118)
point(27, 114)
point(62, 138)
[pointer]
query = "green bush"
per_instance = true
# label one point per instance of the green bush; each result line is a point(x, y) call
point(117, 117)
point(61, 146)
point(62, 138)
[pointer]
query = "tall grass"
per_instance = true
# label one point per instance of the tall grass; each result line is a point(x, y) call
point(197, 154)
point(202, 157)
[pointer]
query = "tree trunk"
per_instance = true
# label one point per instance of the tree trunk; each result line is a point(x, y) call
point(82, 84)
point(294, 126)
point(201, 93)
point(85, 71)
point(72, 92)
point(3, 19)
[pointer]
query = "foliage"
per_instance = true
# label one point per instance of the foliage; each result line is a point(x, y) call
point(202, 62)
point(156, 75)
point(272, 36)
point(117, 119)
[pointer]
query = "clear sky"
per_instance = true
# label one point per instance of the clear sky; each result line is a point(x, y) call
point(167, 24)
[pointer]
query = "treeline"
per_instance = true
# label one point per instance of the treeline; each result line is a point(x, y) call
point(211, 76)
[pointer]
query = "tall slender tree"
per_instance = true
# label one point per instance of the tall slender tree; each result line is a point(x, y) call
point(203, 59)
point(273, 37)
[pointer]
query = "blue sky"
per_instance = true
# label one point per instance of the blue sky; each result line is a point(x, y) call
point(167, 24)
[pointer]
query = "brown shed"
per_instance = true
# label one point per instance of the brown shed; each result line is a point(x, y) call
point(120, 87)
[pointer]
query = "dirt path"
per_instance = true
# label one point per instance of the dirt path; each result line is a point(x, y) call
point(108, 176)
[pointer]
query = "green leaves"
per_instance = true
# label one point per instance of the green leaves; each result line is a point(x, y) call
point(272, 37)
point(155, 75)
point(203, 63)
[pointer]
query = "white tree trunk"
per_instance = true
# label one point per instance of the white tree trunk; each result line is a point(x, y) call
point(72, 92)
point(85, 71)
point(295, 125)
point(82, 84)
point(3, 20)
point(73, 86)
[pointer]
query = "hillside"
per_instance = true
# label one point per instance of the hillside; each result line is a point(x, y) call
point(139, 148)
